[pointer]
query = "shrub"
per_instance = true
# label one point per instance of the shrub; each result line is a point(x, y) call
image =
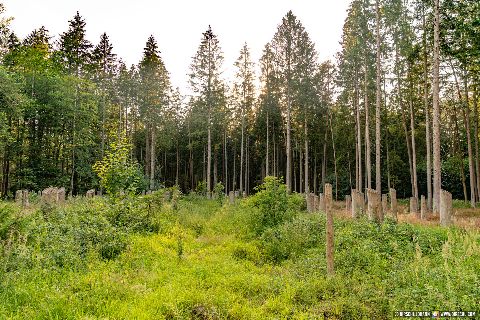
point(117, 172)
point(273, 204)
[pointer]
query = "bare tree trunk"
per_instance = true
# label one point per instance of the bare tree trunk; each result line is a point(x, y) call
point(378, 176)
point(288, 144)
point(178, 166)
point(334, 159)
point(427, 116)
point(477, 164)
point(471, 166)
point(307, 186)
point(459, 153)
point(466, 120)
point(359, 142)
point(209, 156)
point(437, 178)
point(414, 155)
point(368, 162)
point(324, 162)
point(267, 165)
point(242, 143)
point(152, 160)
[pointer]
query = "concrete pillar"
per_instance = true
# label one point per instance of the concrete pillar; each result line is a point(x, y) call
point(414, 205)
point(329, 229)
point(321, 203)
point(393, 203)
point(373, 202)
point(385, 203)
point(423, 207)
point(348, 203)
point(445, 208)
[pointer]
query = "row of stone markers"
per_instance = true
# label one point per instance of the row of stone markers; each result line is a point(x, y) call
point(232, 195)
point(446, 207)
point(315, 202)
point(378, 206)
point(50, 195)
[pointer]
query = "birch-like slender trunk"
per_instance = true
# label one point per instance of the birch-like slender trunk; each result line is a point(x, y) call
point(437, 178)
point(378, 176)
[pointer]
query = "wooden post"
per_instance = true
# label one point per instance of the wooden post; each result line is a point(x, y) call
point(329, 228)
point(316, 203)
point(423, 207)
point(310, 204)
point(445, 208)
point(414, 205)
point(393, 203)
point(348, 203)
point(231, 196)
point(90, 193)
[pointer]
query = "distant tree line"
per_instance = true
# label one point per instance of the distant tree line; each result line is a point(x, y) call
point(399, 102)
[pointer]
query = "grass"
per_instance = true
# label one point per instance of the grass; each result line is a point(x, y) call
point(208, 261)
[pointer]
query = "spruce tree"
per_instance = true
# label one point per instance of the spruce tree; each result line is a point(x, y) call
point(207, 87)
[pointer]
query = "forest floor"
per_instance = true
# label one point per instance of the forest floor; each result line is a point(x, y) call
point(143, 259)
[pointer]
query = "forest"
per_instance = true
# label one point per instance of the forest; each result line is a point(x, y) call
point(371, 114)
point(195, 203)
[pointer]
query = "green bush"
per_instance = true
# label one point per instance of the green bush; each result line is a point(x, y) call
point(274, 204)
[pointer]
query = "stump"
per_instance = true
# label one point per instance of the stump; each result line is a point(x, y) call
point(348, 203)
point(393, 203)
point(231, 196)
point(445, 208)
point(329, 229)
point(414, 205)
point(423, 207)
point(90, 193)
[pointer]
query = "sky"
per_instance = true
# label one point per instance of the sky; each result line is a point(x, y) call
point(177, 25)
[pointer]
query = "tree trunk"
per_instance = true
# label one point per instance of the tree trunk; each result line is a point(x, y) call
point(209, 156)
point(427, 116)
point(242, 146)
point(334, 159)
point(152, 161)
point(267, 166)
point(378, 176)
point(358, 183)
point(414, 155)
point(368, 163)
point(477, 164)
point(307, 186)
point(437, 179)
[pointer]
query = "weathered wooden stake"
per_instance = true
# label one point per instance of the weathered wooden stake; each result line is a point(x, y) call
point(231, 196)
point(329, 228)
point(445, 208)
